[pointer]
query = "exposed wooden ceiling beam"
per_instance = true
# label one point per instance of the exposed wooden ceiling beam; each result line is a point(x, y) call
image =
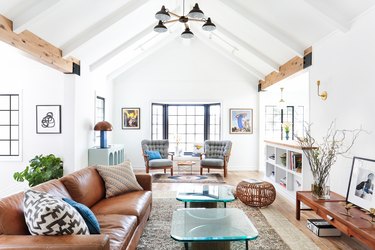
point(290, 43)
point(40, 49)
point(328, 15)
point(224, 52)
point(84, 36)
point(265, 59)
point(291, 67)
point(23, 20)
point(107, 57)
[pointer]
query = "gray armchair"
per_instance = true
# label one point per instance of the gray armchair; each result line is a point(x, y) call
point(157, 145)
point(216, 155)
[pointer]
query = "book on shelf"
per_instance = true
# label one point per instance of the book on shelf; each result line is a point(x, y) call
point(295, 162)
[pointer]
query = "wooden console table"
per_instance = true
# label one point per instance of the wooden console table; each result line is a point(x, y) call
point(330, 210)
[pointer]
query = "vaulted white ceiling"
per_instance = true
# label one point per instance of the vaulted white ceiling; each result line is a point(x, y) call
point(112, 35)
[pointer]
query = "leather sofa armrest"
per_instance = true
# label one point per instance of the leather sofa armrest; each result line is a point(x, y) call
point(145, 180)
point(72, 242)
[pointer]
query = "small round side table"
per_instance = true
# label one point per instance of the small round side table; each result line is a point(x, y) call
point(256, 193)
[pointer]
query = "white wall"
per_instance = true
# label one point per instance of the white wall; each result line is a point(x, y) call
point(186, 73)
point(344, 62)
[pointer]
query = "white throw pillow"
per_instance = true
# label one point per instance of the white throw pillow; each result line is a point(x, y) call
point(48, 215)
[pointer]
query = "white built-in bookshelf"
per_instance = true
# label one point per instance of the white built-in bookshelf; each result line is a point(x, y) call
point(287, 168)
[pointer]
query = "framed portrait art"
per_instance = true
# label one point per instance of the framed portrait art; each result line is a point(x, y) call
point(361, 183)
point(48, 119)
point(131, 118)
point(241, 121)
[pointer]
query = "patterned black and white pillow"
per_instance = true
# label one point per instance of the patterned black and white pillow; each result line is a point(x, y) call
point(48, 215)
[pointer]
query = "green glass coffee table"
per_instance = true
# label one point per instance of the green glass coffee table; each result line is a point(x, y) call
point(211, 226)
point(200, 195)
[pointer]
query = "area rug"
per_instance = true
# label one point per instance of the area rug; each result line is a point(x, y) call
point(207, 178)
point(157, 232)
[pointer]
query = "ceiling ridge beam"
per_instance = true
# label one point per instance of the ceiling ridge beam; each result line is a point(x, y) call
point(265, 59)
point(250, 69)
point(289, 68)
point(22, 21)
point(107, 57)
point(339, 23)
point(35, 46)
point(70, 46)
point(290, 43)
point(143, 55)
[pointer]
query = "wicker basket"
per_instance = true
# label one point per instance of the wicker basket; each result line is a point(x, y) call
point(256, 194)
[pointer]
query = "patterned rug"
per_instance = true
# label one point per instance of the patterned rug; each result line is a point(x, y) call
point(157, 232)
point(206, 178)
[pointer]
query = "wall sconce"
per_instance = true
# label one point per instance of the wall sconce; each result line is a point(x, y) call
point(103, 127)
point(322, 95)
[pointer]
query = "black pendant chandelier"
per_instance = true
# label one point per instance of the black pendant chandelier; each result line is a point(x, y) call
point(195, 15)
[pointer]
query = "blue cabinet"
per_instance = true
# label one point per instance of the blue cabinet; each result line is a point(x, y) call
point(112, 155)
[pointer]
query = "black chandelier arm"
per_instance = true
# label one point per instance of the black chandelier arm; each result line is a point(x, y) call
point(171, 21)
point(197, 20)
point(174, 14)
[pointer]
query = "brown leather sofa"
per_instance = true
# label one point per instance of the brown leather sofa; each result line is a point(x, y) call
point(121, 218)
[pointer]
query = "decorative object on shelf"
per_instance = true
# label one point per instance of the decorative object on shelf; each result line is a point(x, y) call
point(321, 156)
point(361, 184)
point(41, 169)
point(283, 159)
point(347, 206)
point(103, 127)
point(256, 193)
point(198, 149)
point(131, 118)
point(48, 119)
point(281, 104)
point(178, 150)
point(286, 127)
point(241, 121)
point(195, 15)
point(322, 95)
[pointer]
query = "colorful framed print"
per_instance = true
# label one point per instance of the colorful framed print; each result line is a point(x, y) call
point(361, 183)
point(241, 121)
point(131, 118)
point(48, 119)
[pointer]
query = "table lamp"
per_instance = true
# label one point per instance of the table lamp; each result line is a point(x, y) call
point(103, 127)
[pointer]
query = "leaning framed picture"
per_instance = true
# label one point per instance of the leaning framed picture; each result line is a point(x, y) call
point(48, 119)
point(361, 183)
point(241, 121)
point(131, 118)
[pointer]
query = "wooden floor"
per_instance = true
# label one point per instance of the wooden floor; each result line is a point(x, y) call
point(287, 209)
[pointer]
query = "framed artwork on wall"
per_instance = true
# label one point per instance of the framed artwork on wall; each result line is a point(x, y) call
point(48, 119)
point(131, 118)
point(361, 183)
point(241, 121)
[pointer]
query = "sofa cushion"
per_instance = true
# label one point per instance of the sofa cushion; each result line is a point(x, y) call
point(119, 228)
point(12, 219)
point(133, 203)
point(212, 162)
point(118, 179)
point(89, 217)
point(153, 155)
point(85, 186)
point(48, 215)
point(160, 163)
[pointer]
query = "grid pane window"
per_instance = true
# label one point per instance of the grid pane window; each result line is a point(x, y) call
point(215, 121)
point(99, 116)
point(9, 125)
point(157, 122)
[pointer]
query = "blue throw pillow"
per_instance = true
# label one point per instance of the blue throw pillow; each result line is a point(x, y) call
point(89, 217)
point(153, 155)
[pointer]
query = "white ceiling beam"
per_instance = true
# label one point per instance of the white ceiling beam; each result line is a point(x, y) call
point(143, 55)
point(328, 15)
point(84, 36)
point(294, 46)
point(265, 59)
point(107, 57)
point(224, 52)
point(36, 12)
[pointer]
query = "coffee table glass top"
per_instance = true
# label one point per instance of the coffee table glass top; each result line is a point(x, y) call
point(204, 193)
point(212, 224)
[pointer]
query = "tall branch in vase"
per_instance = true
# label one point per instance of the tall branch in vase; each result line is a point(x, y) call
point(322, 156)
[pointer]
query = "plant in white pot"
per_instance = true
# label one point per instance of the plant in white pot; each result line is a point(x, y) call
point(322, 156)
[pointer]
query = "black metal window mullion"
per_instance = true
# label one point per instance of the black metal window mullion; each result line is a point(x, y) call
point(206, 121)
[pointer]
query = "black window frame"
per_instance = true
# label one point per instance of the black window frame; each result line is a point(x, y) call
point(165, 119)
point(282, 118)
point(97, 133)
point(10, 125)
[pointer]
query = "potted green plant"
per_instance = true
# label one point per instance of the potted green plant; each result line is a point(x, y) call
point(41, 169)
point(286, 126)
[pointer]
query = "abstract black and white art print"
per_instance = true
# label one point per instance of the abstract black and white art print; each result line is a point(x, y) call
point(48, 119)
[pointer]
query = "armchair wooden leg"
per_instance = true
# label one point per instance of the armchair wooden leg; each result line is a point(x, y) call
point(201, 171)
point(208, 170)
point(165, 170)
point(225, 172)
point(172, 171)
point(147, 169)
